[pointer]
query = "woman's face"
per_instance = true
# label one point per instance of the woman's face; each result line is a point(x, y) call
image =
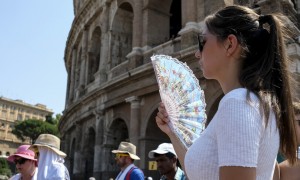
point(24, 166)
point(212, 58)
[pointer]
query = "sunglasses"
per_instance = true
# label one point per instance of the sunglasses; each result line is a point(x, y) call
point(118, 155)
point(20, 161)
point(201, 42)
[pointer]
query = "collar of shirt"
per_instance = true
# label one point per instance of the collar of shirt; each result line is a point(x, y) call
point(122, 174)
point(178, 176)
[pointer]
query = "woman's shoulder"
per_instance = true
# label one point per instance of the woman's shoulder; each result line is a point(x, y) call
point(288, 171)
point(240, 95)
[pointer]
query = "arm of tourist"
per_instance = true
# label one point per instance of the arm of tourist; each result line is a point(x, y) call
point(162, 122)
point(276, 175)
point(237, 173)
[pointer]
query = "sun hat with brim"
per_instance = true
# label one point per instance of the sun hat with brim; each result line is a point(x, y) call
point(163, 148)
point(22, 152)
point(50, 141)
point(127, 148)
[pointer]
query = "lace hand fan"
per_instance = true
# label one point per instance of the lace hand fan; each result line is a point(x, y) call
point(182, 96)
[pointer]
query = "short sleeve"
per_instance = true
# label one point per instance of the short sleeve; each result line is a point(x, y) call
point(137, 174)
point(238, 133)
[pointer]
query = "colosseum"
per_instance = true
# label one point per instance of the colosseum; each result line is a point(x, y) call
point(112, 93)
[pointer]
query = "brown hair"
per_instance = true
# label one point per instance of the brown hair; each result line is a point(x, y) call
point(296, 106)
point(264, 70)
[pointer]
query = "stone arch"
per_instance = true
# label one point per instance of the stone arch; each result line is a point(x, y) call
point(7, 153)
point(121, 34)
point(153, 132)
point(89, 152)
point(154, 137)
point(169, 14)
point(94, 54)
point(175, 18)
point(72, 157)
point(117, 132)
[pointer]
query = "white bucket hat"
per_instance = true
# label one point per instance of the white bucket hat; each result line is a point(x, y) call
point(163, 148)
point(126, 147)
point(49, 141)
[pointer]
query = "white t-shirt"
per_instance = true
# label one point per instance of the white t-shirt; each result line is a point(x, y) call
point(236, 136)
point(18, 176)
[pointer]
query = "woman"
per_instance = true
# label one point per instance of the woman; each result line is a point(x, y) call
point(245, 53)
point(50, 158)
point(25, 163)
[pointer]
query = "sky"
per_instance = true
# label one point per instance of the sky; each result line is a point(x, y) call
point(33, 35)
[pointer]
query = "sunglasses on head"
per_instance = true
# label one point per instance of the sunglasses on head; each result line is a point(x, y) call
point(118, 155)
point(201, 42)
point(20, 161)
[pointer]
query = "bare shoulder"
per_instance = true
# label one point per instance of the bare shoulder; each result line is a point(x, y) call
point(288, 172)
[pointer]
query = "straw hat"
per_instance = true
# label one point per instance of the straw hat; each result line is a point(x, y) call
point(22, 152)
point(49, 141)
point(126, 147)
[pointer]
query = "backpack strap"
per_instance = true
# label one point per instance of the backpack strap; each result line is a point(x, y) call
point(129, 173)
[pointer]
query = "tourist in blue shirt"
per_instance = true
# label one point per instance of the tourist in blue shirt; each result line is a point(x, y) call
point(125, 156)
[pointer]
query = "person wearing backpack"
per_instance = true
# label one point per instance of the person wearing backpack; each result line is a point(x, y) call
point(125, 156)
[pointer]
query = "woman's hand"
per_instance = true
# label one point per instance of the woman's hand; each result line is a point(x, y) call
point(162, 119)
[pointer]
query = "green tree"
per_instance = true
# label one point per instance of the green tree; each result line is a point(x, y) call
point(54, 120)
point(4, 168)
point(32, 128)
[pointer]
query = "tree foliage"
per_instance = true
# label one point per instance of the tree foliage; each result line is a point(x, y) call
point(4, 168)
point(32, 128)
point(54, 120)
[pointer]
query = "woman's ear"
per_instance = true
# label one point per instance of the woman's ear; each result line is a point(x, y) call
point(231, 44)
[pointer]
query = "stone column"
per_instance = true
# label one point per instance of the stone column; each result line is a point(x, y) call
point(72, 74)
point(192, 13)
point(134, 129)
point(77, 155)
point(83, 75)
point(66, 148)
point(189, 11)
point(104, 56)
point(138, 24)
point(98, 158)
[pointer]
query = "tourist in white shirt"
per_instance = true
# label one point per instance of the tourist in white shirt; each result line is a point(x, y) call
point(246, 54)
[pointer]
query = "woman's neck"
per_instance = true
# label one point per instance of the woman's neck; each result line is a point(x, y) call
point(29, 175)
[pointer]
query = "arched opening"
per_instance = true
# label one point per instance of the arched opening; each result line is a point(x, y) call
point(121, 41)
point(89, 150)
point(72, 157)
point(118, 132)
point(175, 18)
point(94, 54)
point(154, 137)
